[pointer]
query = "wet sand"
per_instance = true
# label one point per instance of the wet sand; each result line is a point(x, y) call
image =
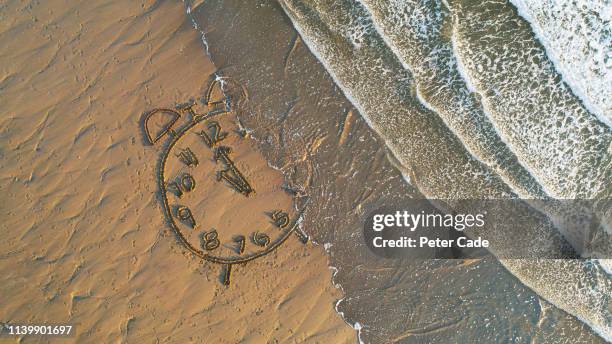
point(312, 133)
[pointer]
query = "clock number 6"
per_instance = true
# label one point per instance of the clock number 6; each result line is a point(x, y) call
point(280, 218)
point(261, 239)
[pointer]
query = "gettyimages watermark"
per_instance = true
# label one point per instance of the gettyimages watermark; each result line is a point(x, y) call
point(508, 229)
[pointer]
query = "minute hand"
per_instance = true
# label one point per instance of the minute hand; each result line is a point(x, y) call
point(231, 174)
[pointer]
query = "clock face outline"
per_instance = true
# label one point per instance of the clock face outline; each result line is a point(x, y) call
point(172, 217)
point(283, 225)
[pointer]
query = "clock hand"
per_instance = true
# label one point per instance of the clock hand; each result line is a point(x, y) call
point(231, 174)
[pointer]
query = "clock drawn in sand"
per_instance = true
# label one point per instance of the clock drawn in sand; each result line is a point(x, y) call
point(219, 196)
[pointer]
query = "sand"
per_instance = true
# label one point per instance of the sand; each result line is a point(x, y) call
point(85, 240)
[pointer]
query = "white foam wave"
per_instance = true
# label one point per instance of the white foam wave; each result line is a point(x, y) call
point(577, 39)
point(562, 144)
point(412, 30)
point(188, 10)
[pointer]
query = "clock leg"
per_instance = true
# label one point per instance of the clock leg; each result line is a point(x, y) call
point(301, 235)
point(227, 274)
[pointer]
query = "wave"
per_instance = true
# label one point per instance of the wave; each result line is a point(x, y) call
point(577, 38)
point(417, 32)
point(538, 115)
point(468, 102)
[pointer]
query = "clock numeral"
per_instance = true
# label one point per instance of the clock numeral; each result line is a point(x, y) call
point(210, 240)
point(186, 184)
point(231, 174)
point(175, 189)
point(187, 157)
point(184, 214)
point(241, 241)
point(261, 239)
point(280, 218)
point(215, 137)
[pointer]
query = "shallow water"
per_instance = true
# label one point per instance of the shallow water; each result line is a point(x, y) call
point(457, 109)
